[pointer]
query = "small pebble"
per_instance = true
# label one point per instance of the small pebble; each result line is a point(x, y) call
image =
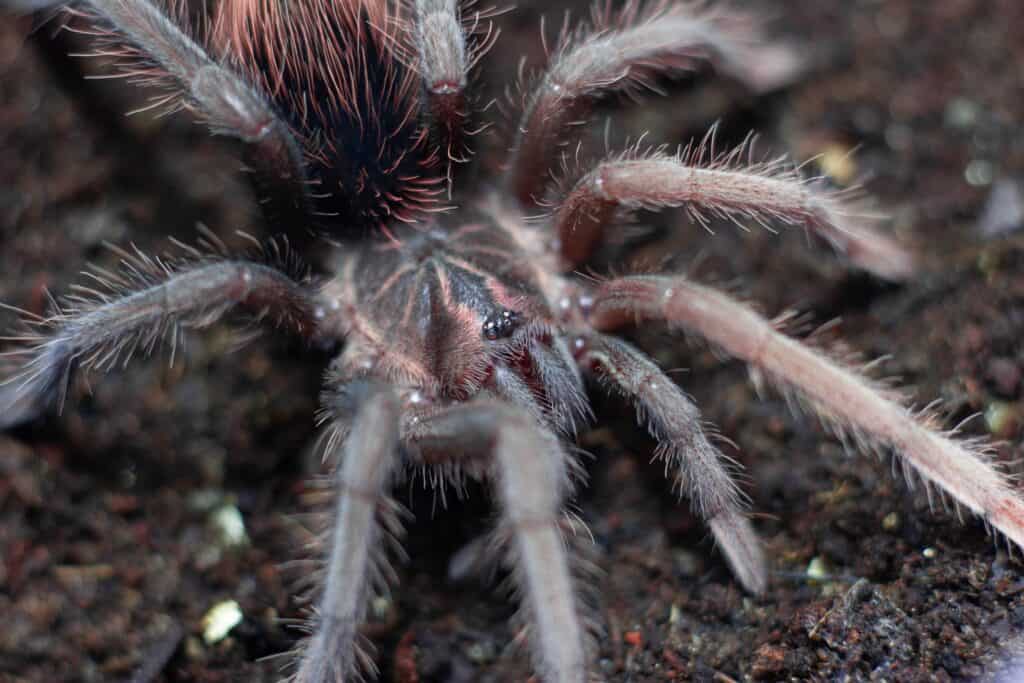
point(481, 653)
point(891, 522)
point(961, 113)
point(818, 569)
point(979, 172)
point(838, 164)
point(1004, 210)
point(1003, 419)
point(380, 607)
point(219, 620)
point(227, 522)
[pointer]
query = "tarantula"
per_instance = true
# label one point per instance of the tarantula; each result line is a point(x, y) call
point(466, 334)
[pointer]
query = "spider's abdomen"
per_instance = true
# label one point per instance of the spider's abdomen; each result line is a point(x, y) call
point(331, 70)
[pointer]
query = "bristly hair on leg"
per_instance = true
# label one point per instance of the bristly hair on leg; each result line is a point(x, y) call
point(840, 395)
point(531, 475)
point(450, 38)
point(501, 551)
point(150, 44)
point(623, 51)
point(732, 186)
point(443, 63)
point(148, 300)
point(333, 70)
point(701, 471)
point(365, 457)
point(153, 44)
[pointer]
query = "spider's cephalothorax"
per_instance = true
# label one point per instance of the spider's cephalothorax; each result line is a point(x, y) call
point(441, 308)
point(465, 339)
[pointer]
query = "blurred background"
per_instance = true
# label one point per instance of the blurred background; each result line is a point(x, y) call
point(166, 498)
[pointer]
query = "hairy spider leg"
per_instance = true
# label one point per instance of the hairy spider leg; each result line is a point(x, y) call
point(698, 467)
point(839, 394)
point(149, 301)
point(486, 438)
point(623, 52)
point(366, 463)
point(531, 475)
point(155, 50)
point(443, 59)
point(626, 52)
point(720, 187)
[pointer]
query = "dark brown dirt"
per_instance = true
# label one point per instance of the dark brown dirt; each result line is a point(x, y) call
point(108, 560)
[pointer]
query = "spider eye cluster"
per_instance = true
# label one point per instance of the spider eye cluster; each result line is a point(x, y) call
point(501, 324)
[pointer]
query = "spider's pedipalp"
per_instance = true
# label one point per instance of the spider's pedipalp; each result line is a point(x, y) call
point(721, 188)
point(154, 50)
point(148, 301)
point(531, 476)
point(367, 460)
point(675, 422)
point(622, 53)
point(837, 393)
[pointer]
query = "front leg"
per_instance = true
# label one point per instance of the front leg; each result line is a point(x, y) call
point(148, 301)
point(675, 422)
point(531, 474)
point(365, 469)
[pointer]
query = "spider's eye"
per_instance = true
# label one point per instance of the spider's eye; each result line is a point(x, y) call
point(500, 324)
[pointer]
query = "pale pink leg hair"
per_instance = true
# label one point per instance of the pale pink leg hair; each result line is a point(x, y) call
point(675, 422)
point(366, 466)
point(722, 187)
point(531, 477)
point(626, 52)
point(837, 393)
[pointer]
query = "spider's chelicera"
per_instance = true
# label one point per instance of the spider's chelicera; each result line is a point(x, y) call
point(466, 335)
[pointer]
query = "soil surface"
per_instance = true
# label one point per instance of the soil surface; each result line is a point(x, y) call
point(118, 531)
